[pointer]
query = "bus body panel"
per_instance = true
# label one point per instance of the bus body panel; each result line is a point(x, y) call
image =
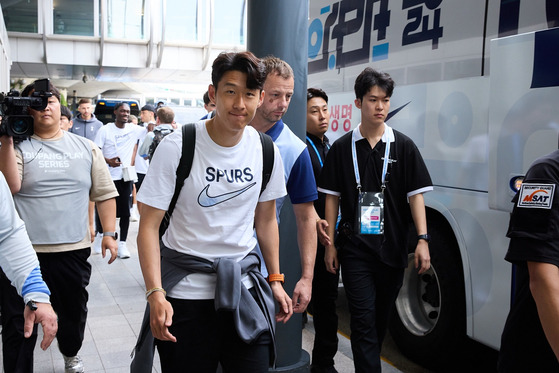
point(524, 115)
point(469, 104)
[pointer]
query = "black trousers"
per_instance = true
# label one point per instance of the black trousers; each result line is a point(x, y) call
point(67, 274)
point(138, 183)
point(325, 318)
point(371, 288)
point(123, 206)
point(205, 338)
point(17, 351)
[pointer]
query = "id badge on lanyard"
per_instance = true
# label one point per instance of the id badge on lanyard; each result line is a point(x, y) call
point(371, 212)
point(370, 205)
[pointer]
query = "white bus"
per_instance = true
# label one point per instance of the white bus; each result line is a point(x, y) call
point(477, 90)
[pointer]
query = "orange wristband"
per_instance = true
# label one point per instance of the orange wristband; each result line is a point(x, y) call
point(276, 277)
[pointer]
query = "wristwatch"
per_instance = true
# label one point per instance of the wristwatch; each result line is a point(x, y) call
point(111, 234)
point(426, 237)
point(32, 305)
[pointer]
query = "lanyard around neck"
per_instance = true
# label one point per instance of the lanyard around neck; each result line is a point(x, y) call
point(356, 166)
point(316, 150)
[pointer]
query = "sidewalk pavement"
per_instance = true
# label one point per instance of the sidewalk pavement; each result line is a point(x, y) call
point(116, 307)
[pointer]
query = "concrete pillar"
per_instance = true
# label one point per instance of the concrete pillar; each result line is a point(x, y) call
point(279, 28)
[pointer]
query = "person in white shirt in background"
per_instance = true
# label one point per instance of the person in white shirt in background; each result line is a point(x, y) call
point(119, 144)
point(148, 116)
point(141, 169)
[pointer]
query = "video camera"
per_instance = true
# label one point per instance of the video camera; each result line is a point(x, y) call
point(16, 121)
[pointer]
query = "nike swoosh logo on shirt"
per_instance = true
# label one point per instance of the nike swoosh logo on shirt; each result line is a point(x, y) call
point(205, 200)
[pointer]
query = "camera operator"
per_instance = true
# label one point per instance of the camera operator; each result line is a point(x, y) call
point(53, 176)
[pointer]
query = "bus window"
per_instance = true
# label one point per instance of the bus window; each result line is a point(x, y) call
point(104, 109)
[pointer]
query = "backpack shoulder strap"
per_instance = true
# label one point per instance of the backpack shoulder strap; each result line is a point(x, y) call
point(267, 159)
point(185, 163)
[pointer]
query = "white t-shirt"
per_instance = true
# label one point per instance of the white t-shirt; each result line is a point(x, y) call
point(141, 163)
point(214, 214)
point(119, 142)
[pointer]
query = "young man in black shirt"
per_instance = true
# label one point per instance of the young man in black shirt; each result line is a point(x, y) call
point(324, 284)
point(377, 176)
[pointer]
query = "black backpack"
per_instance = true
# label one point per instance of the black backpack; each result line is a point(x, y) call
point(158, 135)
point(185, 164)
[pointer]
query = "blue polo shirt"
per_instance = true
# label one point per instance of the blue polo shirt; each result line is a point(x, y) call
point(299, 175)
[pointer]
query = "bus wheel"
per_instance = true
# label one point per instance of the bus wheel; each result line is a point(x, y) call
point(429, 324)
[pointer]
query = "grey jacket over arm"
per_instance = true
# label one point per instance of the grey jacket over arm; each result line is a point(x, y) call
point(252, 317)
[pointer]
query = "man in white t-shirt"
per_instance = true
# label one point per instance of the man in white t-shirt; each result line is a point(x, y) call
point(142, 165)
point(119, 143)
point(165, 124)
point(148, 116)
point(211, 228)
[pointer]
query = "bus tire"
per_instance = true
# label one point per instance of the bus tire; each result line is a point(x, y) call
point(429, 319)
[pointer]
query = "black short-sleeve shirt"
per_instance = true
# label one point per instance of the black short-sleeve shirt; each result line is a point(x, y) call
point(318, 149)
point(534, 234)
point(536, 215)
point(407, 175)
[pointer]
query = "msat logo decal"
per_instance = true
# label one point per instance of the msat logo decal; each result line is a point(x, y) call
point(536, 195)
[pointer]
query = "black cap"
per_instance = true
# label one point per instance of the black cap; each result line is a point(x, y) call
point(148, 107)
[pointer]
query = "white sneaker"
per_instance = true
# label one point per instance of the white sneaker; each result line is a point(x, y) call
point(96, 247)
point(123, 252)
point(134, 213)
point(73, 364)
